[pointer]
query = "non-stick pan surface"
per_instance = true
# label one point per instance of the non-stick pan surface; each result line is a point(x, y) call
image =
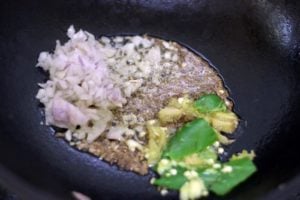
point(254, 44)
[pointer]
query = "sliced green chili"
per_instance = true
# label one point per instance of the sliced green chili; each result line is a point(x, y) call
point(210, 103)
point(191, 138)
point(240, 170)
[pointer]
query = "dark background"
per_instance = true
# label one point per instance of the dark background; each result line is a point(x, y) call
point(7, 195)
point(254, 44)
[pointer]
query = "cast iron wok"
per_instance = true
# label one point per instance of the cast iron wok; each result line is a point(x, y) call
point(254, 44)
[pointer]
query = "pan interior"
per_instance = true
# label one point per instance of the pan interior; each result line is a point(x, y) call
point(252, 44)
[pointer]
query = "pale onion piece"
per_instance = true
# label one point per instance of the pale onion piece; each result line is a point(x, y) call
point(78, 90)
point(168, 55)
point(129, 49)
point(92, 114)
point(85, 86)
point(41, 94)
point(118, 39)
point(61, 74)
point(85, 97)
point(71, 31)
point(146, 43)
point(42, 85)
point(50, 91)
point(80, 135)
point(156, 80)
point(136, 40)
point(154, 55)
point(109, 52)
point(65, 115)
point(94, 132)
point(142, 134)
point(68, 135)
point(62, 84)
point(44, 60)
point(175, 58)
point(79, 36)
point(116, 133)
point(145, 67)
point(104, 115)
point(166, 44)
point(133, 145)
point(105, 40)
point(72, 80)
point(139, 128)
point(130, 132)
point(116, 98)
point(129, 119)
point(132, 86)
point(167, 65)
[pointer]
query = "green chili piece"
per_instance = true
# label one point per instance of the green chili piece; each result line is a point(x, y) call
point(210, 103)
point(173, 181)
point(193, 137)
point(239, 170)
